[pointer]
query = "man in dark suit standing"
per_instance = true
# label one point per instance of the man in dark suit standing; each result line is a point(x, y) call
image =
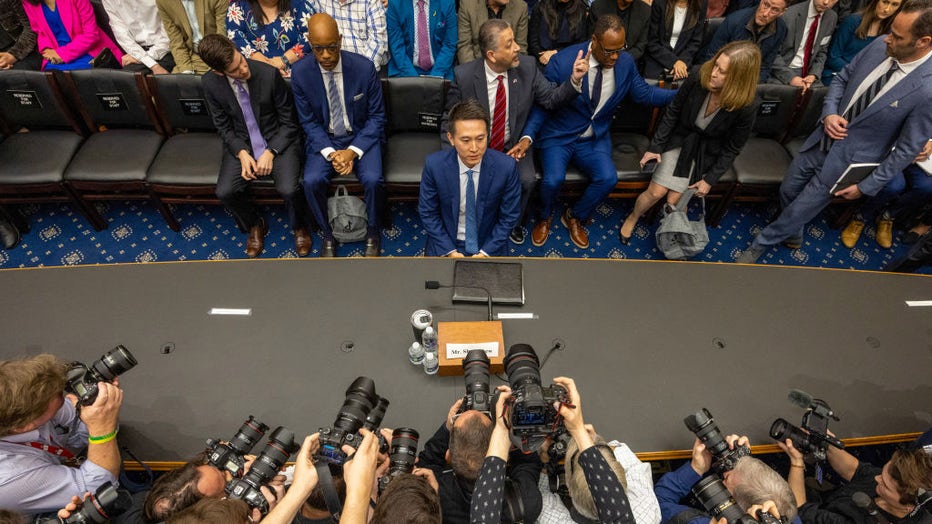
point(507, 85)
point(339, 100)
point(252, 109)
point(801, 57)
point(578, 132)
point(470, 194)
point(876, 111)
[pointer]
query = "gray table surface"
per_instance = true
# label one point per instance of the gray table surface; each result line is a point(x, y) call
point(647, 342)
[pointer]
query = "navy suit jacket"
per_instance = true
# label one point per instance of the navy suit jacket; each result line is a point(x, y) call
point(891, 131)
point(362, 99)
point(498, 201)
point(442, 25)
point(563, 126)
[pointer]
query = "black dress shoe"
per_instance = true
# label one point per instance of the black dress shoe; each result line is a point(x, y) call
point(9, 235)
point(625, 241)
point(517, 235)
point(328, 248)
point(373, 246)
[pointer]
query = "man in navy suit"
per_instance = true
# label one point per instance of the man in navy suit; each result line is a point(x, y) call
point(890, 128)
point(339, 101)
point(578, 131)
point(470, 195)
point(408, 22)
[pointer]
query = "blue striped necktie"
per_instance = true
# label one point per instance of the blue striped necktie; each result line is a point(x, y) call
point(472, 236)
point(336, 107)
point(863, 102)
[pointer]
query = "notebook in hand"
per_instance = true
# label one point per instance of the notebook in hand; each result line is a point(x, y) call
point(854, 174)
point(505, 282)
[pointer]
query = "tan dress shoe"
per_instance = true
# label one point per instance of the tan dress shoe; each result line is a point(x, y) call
point(256, 241)
point(302, 242)
point(578, 233)
point(541, 232)
point(851, 233)
point(884, 234)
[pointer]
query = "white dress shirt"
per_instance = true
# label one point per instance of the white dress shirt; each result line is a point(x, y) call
point(338, 80)
point(608, 86)
point(136, 25)
point(192, 20)
point(679, 19)
point(797, 62)
point(904, 69)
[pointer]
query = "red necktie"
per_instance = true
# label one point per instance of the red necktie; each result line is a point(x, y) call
point(810, 40)
point(499, 115)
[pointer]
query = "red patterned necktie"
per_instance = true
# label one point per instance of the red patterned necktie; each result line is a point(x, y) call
point(499, 115)
point(810, 41)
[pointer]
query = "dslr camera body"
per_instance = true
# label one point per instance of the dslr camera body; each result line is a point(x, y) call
point(402, 455)
point(533, 417)
point(724, 458)
point(476, 375)
point(107, 502)
point(81, 380)
point(361, 408)
point(280, 447)
point(813, 443)
point(231, 456)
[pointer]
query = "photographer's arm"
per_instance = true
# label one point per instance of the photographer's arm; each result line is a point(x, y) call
point(796, 478)
point(486, 505)
point(673, 486)
point(305, 480)
point(101, 419)
point(844, 463)
point(359, 474)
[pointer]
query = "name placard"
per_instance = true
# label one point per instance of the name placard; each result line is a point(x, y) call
point(112, 101)
point(24, 98)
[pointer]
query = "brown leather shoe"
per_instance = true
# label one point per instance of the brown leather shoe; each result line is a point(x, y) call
point(302, 242)
point(541, 232)
point(851, 233)
point(256, 240)
point(578, 234)
point(884, 234)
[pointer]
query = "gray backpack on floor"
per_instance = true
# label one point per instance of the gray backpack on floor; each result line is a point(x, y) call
point(347, 215)
point(677, 237)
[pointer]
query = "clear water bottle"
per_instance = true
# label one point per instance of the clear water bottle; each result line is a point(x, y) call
point(431, 364)
point(416, 353)
point(430, 340)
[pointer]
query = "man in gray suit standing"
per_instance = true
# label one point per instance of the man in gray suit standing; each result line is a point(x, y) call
point(877, 110)
point(507, 84)
point(801, 58)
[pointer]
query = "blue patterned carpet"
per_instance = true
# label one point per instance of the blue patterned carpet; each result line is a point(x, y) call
point(60, 236)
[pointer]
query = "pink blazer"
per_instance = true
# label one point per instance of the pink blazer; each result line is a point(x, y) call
point(78, 18)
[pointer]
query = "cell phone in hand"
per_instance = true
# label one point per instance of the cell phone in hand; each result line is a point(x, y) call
point(649, 167)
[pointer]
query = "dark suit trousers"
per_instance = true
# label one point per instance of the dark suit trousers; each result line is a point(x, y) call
point(31, 62)
point(528, 174)
point(318, 172)
point(167, 62)
point(233, 189)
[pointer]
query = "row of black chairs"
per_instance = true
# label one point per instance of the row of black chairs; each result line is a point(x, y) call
point(102, 135)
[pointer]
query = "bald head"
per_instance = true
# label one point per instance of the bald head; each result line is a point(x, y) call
point(325, 39)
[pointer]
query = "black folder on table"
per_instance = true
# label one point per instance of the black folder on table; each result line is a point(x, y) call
point(854, 174)
point(504, 280)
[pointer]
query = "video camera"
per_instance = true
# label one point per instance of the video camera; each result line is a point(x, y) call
point(402, 455)
point(107, 502)
point(281, 445)
point(715, 498)
point(361, 408)
point(476, 375)
point(703, 425)
point(231, 456)
point(533, 417)
point(81, 379)
point(815, 440)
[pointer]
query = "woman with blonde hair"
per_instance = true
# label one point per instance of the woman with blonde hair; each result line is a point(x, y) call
point(702, 130)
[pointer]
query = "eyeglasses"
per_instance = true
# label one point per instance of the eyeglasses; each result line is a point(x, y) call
point(611, 52)
point(335, 48)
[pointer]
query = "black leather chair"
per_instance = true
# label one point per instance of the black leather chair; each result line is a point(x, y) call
point(807, 120)
point(413, 109)
point(708, 31)
point(33, 163)
point(760, 167)
point(117, 107)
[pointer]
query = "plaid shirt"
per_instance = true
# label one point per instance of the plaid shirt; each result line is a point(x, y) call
point(14, 22)
point(362, 24)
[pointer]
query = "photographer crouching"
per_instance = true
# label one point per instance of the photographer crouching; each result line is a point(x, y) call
point(42, 430)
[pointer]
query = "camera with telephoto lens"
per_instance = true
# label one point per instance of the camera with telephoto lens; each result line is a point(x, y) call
point(533, 415)
point(231, 456)
point(716, 499)
point(703, 425)
point(476, 375)
point(81, 379)
point(814, 444)
point(107, 502)
point(402, 455)
point(361, 408)
point(281, 445)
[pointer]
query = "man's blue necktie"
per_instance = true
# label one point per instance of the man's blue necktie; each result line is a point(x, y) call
point(472, 236)
point(336, 107)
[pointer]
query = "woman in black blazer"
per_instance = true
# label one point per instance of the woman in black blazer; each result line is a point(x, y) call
point(702, 130)
point(663, 55)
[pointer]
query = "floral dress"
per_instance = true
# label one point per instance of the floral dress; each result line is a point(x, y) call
point(273, 39)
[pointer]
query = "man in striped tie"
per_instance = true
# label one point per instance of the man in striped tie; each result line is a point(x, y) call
point(876, 111)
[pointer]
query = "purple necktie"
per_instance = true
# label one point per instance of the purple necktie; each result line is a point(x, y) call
point(255, 136)
point(423, 38)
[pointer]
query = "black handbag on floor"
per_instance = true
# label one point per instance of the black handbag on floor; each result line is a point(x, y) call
point(106, 60)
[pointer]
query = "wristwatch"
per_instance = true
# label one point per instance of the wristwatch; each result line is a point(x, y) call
point(274, 151)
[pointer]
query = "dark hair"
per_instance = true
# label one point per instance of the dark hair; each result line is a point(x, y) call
point(923, 25)
point(869, 16)
point(693, 12)
point(468, 109)
point(258, 14)
point(217, 51)
point(213, 511)
point(316, 499)
point(172, 492)
point(488, 34)
point(27, 387)
point(470, 439)
point(11, 517)
point(553, 14)
point(912, 470)
point(410, 499)
point(607, 23)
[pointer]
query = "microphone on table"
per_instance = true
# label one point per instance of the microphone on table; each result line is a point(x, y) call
point(433, 284)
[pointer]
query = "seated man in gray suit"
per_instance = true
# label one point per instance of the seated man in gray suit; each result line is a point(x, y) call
point(521, 85)
point(801, 57)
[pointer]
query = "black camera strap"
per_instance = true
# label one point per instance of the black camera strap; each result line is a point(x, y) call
point(325, 482)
